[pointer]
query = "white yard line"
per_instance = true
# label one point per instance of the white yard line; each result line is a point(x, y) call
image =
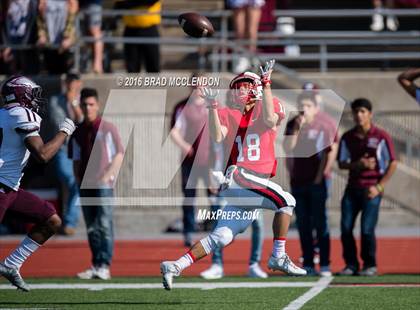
point(197, 285)
point(319, 286)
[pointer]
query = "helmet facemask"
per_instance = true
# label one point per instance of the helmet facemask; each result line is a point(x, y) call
point(38, 102)
point(246, 88)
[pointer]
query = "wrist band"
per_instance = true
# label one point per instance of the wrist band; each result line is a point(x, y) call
point(380, 188)
point(265, 82)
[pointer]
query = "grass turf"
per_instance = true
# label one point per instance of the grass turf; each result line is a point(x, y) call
point(219, 299)
point(383, 298)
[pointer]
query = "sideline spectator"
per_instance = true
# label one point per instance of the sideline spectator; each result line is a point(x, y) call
point(188, 122)
point(67, 105)
point(368, 153)
point(56, 33)
point(406, 79)
point(309, 177)
point(96, 142)
point(246, 18)
point(18, 27)
point(93, 23)
point(378, 20)
point(137, 26)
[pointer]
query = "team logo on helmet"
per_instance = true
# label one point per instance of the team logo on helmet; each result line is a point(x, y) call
point(239, 95)
point(22, 90)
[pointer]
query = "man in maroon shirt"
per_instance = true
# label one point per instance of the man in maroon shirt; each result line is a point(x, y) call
point(368, 153)
point(315, 132)
point(97, 155)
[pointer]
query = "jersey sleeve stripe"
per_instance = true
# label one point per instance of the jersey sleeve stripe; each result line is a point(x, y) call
point(21, 130)
point(28, 114)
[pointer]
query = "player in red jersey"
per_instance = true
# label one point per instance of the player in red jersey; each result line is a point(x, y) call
point(247, 127)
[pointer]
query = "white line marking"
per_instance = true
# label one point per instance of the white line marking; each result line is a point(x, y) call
point(197, 285)
point(319, 286)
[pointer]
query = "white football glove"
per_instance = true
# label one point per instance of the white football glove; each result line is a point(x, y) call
point(67, 126)
point(266, 72)
point(210, 96)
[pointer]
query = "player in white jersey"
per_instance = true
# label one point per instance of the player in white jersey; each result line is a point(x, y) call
point(19, 138)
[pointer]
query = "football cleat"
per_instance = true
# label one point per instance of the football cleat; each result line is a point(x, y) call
point(255, 271)
point(285, 264)
point(169, 270)
point(214, 272)
point(14, 277)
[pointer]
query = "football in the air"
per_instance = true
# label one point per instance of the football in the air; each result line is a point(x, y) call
point(196, 25)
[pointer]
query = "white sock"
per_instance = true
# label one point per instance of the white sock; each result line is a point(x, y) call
point(279, 247)
point(185, 261)
point(21, 253)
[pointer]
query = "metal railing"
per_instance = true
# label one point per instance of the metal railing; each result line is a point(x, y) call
point(223, 41)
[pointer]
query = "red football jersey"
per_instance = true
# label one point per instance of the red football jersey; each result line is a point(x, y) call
point(249, 141)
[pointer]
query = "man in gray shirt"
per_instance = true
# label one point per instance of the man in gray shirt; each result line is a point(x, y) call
point(66, 105)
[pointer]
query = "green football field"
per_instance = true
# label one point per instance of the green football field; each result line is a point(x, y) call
point(382, 292)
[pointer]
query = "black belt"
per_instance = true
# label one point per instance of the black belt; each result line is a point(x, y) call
point(5, 188)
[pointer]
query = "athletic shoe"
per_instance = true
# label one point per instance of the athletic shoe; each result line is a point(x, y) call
point(285, 264)
point(169, 270)
point(87, 274)
point(103, 273)
point(392, 23)
point(14, 277)
point(255, 271)
point(377, 22)
point(369, 272)
point(325, 271)
point(347, 271)
point(214, 272)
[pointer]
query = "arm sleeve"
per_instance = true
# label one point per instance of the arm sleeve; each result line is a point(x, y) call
point(180, 122)
point(343, 154)
point(26, 122)
point(390, 147)
point(279, 110)
point(117, 140)
point(385, 153)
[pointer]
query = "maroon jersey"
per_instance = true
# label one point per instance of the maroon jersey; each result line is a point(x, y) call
point(191, 119)
point(250, 140)
point(315, 138)
point(104, 137)
point(354, 146)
